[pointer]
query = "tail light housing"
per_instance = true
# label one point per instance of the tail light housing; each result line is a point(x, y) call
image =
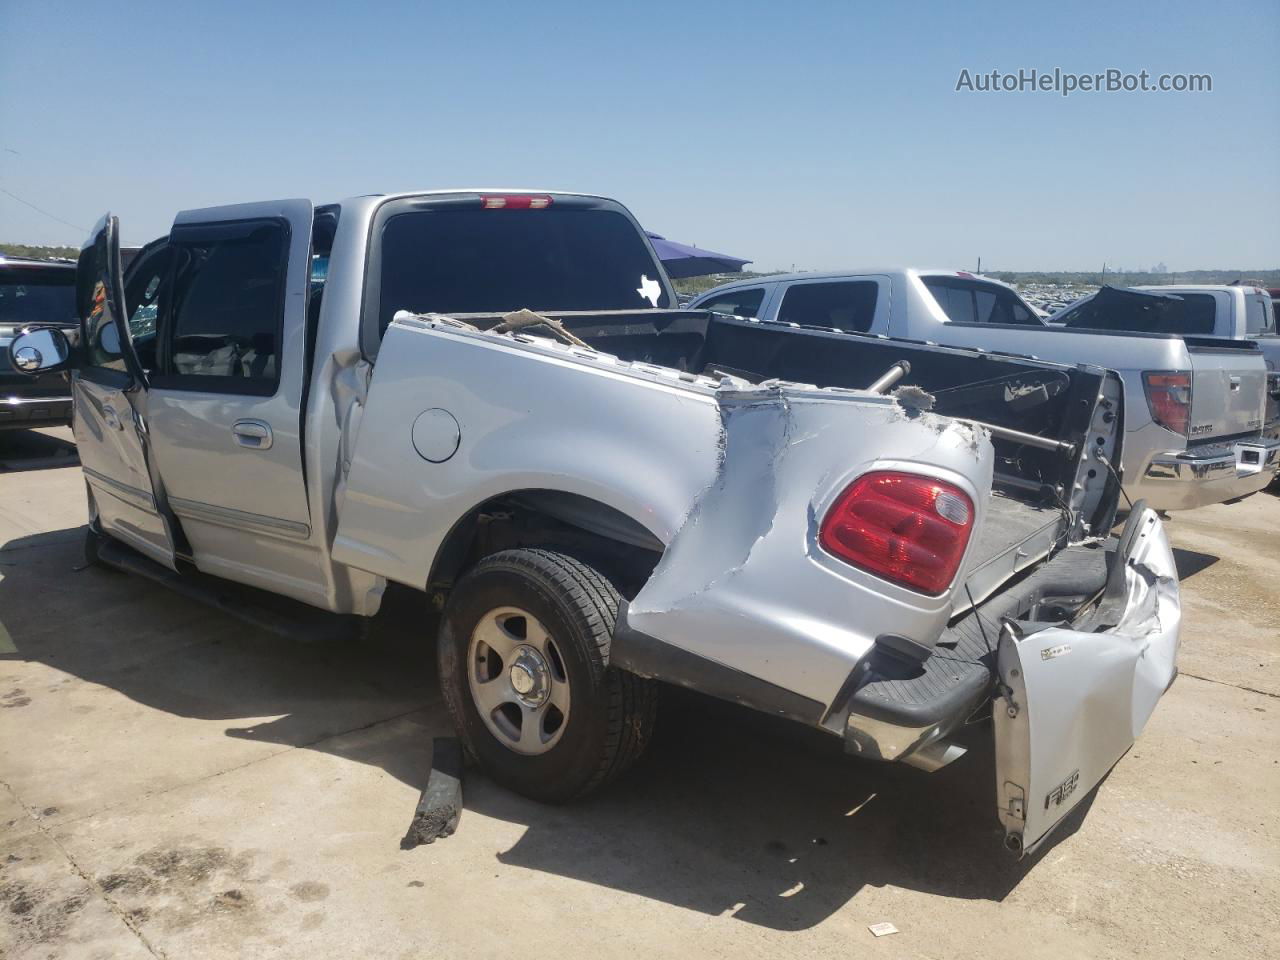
point(1169, 397)
point(904, 527)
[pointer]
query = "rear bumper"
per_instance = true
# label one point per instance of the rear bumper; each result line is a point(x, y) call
point(1086, 645)
point(1211, 474)
point(896, 708)
point(1069, 698)
point(21, 413)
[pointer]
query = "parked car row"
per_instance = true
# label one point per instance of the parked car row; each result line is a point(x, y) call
point(879, 504)
point(1197, 424)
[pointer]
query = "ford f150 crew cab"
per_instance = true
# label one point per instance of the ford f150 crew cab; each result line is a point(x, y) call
point(612, 492)
point(1194, 407)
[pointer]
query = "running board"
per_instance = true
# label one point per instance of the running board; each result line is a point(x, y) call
point(282, 616)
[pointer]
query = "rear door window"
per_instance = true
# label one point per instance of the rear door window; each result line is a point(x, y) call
point(972, 301)
point(740, 303)
point(842, 304)
point(956, 302)
point(228, 302)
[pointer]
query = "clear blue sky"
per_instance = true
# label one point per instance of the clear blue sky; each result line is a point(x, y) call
point(819, 134)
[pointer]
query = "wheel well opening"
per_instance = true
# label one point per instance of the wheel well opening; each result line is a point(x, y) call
point(593, 532)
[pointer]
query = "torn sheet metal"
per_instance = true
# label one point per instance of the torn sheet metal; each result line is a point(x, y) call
point(1072, 701)
point(743, 582)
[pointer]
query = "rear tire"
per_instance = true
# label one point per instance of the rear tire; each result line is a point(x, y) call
point(561, 723)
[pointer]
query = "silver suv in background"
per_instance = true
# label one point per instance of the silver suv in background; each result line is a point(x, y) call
point(1194, 407)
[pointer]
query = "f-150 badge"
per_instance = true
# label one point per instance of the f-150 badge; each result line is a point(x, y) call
point(1058, 795)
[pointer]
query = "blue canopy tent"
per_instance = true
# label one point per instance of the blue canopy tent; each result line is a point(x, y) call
point(681, 260)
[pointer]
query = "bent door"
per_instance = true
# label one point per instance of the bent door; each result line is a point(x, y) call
point(109, 421)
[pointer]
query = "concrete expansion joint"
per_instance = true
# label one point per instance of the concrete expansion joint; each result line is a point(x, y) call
point(1224, 683)
point(88, 880)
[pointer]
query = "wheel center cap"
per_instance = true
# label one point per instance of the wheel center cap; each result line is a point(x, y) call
point(521, 680)
point(529, 676)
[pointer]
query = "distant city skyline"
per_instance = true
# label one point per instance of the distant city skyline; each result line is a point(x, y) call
point(827, 135)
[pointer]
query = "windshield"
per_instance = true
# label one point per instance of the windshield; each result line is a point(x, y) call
point(1187, 314)
point(37, 296)
point(453, 260)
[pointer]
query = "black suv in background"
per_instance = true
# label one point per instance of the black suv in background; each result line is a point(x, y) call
point(34, 292)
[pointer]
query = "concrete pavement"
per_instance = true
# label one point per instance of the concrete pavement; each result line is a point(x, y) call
point(176, 784)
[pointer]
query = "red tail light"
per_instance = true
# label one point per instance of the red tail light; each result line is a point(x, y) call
point(508, 201)
point(901, 526)
point(1169, 397)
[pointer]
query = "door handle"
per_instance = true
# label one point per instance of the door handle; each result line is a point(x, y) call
point(110, 417)
point(253, 434)
point(1234, 382)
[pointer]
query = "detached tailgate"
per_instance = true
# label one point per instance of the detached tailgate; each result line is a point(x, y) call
point(1073, 698)
point(1228, 388)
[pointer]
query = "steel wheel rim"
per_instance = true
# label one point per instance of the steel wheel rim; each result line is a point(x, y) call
point(518, 681)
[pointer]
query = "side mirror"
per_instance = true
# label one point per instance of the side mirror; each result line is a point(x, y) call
point(38, 350)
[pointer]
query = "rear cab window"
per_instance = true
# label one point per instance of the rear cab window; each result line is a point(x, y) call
point(841, 304)
point(740, 303)
point(1189, 314)
point(458, 257)
point(966, 300)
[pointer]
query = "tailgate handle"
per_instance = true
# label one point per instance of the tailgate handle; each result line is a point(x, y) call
point(253, 434)
point(1234, 381)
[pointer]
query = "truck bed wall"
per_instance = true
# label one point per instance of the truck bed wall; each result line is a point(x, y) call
point(1048, 400)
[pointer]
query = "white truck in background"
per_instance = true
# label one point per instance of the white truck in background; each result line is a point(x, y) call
point(1194, 406)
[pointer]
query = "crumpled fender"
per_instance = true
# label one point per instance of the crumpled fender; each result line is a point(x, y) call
point(743, 584)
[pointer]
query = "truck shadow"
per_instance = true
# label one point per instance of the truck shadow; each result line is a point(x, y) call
point(734, 813)
point(22, 450)
point(1191, 562)
point(729, 811)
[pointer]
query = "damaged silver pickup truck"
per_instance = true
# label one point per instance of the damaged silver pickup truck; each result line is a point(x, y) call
point(315, 401)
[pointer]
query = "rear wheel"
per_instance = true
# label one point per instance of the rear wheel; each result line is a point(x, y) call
point(523, 648)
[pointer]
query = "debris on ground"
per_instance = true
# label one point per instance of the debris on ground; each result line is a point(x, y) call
point(882, 929)
point(440, 806)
